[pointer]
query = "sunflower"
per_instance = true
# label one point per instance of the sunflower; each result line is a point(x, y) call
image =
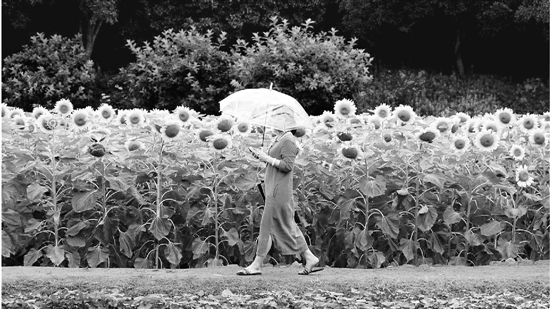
point(505, 116)
point(354, 121)
point(404, 114)
point(80, 120)
point(517, 152)
point(523, 178)
point(39, 111)
point(243, 128)
point(428, 134)
point(100, 135)
point(121, 118)
point(462, 117)
point(472, 125)
point(20, 122)
point(545, 117)
point(350, 152)
point(133, 145)
point(460, 143)
point(184, 114)
point(344, 136)
point(538, 138)
point(225, 123)
point(203, 134)
point(344, 108)
point(135, 118)
point(63, 107)
point(486, 141)
point(106, 113)
point(220, 142)
point(5, 110)
point(441, 124)
point(17, 112)
point(383, 111)
point(386, 137)
point(299, 132)
point(47, 123)
point(375, 121)
point(171, 130)
point(492, 125)
point(527, 123)
point(327, 120)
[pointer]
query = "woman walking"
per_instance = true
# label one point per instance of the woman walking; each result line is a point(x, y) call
point(278, 226)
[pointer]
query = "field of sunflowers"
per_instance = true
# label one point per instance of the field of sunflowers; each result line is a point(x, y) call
point(176, 189)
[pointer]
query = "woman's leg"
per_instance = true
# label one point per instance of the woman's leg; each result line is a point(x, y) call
point(256, 265)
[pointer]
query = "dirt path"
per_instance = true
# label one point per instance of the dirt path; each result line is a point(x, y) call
point(220, 278)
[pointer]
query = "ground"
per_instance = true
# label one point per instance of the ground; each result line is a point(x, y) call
point(506, 285)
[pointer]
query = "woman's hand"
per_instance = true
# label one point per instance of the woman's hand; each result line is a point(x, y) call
point(260, 155)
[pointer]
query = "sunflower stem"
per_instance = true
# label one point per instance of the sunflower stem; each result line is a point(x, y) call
point(159, 197)
point(216, 226)
point(54, 190)
point(417, 195)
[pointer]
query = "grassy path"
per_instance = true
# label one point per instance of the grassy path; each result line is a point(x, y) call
point(400, 287)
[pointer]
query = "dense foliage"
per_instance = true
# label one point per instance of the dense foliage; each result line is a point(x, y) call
point(47, 70)
point(445, 95)
point(184, 67)
point(161, 189)
point(316, 69)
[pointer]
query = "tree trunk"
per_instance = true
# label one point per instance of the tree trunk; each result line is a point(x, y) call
point(458, 55)
point(89, 28)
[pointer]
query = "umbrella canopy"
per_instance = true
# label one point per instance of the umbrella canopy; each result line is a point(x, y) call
point(266, 107)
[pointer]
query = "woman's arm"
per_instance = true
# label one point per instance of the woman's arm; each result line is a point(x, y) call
point(289, 150)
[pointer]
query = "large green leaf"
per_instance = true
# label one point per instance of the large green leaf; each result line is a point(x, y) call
point(436, 242)
point(473, 238)
point(450, 216)
point(491, 228)
point(507, 249)
point(173, 254)
point(389, 224)
point(160, 227)
point(408, 247)
point(364, 241)
point(200, 247)
point(372, 188)
point(35, 191)
point(83, 201)
point(427, 219)
point(73, 258)
point(32, 256)
point(246, 182)
point(126, 241)
point(7, 246)
point(232, 236)
point(55, 254)
point(435, 179)
point(96, 256)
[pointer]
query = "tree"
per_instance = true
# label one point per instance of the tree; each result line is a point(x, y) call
point(95, 13)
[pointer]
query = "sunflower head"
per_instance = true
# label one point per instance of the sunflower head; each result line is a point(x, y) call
point(517, 152)
point(133, 145)
point(383, 111)
point(20, 123)
point(170, 131)
point(243, 128)
point(344, 108)
point(486, 141)
point(460, 143)
point(225, 123)
point(528, 122)
point(428, 134)
point(350, 152)
point(106, 113)
point(404, 114)
point(184, 114)
point(220, 142)
point(327, 120)
point(5, 110)
point(462, 117)
point(135, 118)
point(39, 111)
point(386, 137)
point(344, 136)
point(375, 121)
point(538, 138)
point(441, 124)
point(17, 112)
point(80, 120)
point(97, 150)
point(47, 123)
point(355, 122)
point(63, 107)
point(505, 116)
point(299, 132)
point(492, 125)
point(204, 134)
point(523, 178)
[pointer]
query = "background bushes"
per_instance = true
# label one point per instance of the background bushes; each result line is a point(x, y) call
point(47, 70)
point(198, 70)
